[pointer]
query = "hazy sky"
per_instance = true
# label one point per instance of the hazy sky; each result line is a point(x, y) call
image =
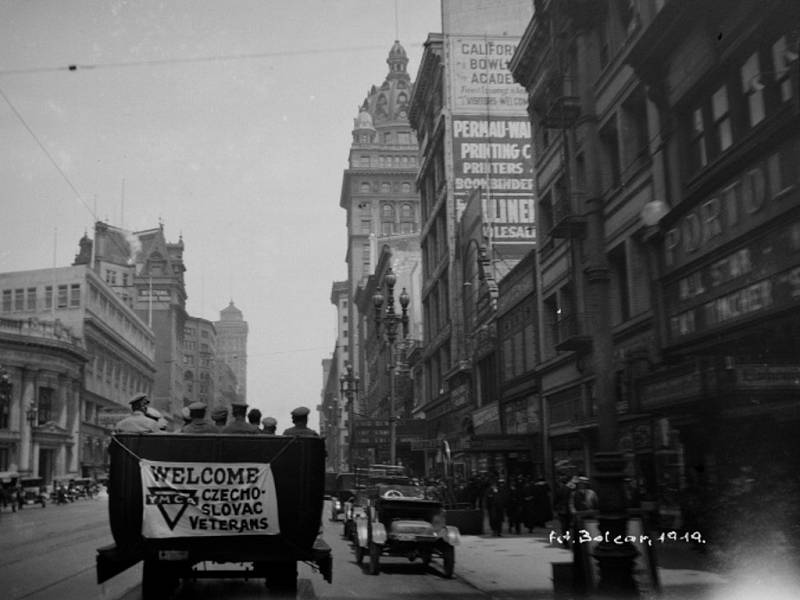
point(229, 120)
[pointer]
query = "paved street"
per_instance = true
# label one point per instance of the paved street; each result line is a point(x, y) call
point(49, 554)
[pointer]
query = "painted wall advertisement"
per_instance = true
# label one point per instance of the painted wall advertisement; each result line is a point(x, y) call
point(480, 80)
point(196, 499)
point(492, 157)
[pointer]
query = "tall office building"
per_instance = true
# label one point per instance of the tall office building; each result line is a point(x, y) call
point(232, 344)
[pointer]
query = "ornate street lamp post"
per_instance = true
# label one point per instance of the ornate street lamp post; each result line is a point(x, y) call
point(348, 386)
point(390, 320)
point(33, 419)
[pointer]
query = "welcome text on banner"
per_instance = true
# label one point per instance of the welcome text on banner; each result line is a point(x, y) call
point(183, 499)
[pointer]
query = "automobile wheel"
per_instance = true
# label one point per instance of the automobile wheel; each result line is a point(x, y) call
point(359, 553)
point(374, 558)
point(449, 557)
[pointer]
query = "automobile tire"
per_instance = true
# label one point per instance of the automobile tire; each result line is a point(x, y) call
point(374, 558)
point(449, 559)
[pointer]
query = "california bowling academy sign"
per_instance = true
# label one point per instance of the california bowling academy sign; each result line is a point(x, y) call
point(198, 499)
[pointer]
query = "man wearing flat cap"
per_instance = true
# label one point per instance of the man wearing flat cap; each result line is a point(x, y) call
point(137, 421)
point(220, 417)
point(269, 425)
point(198, 424)
point(239, 423)
point(300, 420)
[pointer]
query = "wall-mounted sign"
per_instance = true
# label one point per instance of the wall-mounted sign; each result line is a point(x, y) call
point(370, 432)
point(768, 376)
point(480, 80)
point(759, 277)
point(680, 386)
point(758, 194)
point(493, 156)
point(158, 295)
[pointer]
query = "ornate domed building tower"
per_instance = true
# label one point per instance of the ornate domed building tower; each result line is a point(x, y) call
point(379, 195)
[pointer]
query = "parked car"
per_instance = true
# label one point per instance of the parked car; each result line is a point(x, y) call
point(402, 521)
point(34, 491)
point(343, 490)
point(9, 480)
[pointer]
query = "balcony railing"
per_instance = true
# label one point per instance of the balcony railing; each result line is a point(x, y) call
point(34, 327)
point(573, 332)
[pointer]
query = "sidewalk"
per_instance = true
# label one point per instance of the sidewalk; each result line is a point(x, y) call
point(512, 567)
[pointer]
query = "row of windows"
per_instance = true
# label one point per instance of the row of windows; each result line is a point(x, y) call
point(105, 367)
point(629, 296)
point(120, 321)
point(28, 299)
point(761, 86)
point(366, 187)
point(388, 137)
point(124, 279)
point(385, 162)
point(205, 361)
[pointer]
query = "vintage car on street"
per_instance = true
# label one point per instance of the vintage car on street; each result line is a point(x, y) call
point(402, 521)
point(363, 482)
point(34, 490)
point(343, 490)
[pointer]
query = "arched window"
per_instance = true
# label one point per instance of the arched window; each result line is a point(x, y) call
point(387, 212)
point(407, 211)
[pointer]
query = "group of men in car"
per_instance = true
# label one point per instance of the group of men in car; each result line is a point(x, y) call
point(144, 419)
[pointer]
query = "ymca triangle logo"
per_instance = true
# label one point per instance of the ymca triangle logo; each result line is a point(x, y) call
point(171, 503)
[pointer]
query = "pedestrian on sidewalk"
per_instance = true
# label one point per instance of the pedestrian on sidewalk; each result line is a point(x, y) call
point(514, 507)
point(496, 506)
point(562, 504)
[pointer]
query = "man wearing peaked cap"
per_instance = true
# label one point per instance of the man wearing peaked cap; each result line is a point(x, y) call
point(300, 420)
point(220, 416)
point(198, 424)
point(137, 421)
point(239, 423)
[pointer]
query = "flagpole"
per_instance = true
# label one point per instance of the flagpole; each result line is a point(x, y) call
point(150, 304)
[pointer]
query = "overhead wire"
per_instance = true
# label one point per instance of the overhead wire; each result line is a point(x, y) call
point(189, 60)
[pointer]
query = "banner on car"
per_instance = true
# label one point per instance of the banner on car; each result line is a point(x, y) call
point(188, 499)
